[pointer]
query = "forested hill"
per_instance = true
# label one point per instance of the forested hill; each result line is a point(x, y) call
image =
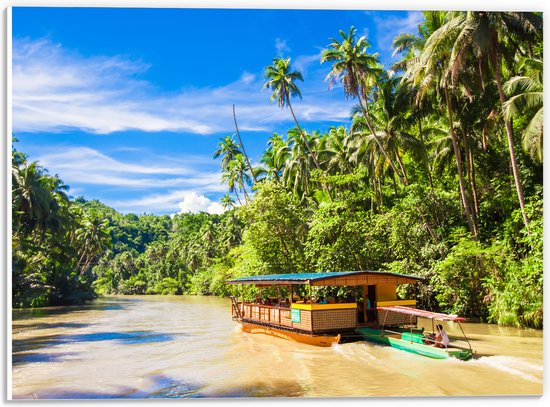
point(439, 175)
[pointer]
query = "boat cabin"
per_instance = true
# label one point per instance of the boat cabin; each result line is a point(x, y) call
point(301, 316)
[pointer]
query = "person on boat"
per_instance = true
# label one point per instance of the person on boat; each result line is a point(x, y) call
point(441, 337)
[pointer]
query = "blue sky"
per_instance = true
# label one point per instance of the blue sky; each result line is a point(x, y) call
point(127, 105)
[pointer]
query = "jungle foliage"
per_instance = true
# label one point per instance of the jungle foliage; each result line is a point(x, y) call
point(439, 175)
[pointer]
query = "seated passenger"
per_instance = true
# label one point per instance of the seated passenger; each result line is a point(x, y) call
point(331, 300)
point(441, 338)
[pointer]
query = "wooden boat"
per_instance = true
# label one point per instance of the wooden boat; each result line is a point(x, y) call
point(317, 323)
point(414, 340)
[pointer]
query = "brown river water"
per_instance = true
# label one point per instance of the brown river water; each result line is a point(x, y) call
point(186, 346)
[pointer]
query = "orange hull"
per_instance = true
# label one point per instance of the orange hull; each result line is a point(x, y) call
point(317, 340)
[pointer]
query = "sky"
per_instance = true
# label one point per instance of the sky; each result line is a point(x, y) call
point(128, 105)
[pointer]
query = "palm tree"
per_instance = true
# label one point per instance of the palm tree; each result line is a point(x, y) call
point(358, 71)
point(282, 81)
point(238, 167)
point(274, 158)
point(228, 149)
point(430, 72)
point(485, 35)
point(92, 238)
point(37, 200)
point(231, 177)
point(227, 202)
point(297, 169)
point(526, 92)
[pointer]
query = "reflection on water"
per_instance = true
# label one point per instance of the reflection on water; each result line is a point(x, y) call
point(185, 346)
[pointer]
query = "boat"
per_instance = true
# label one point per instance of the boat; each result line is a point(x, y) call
point(413, 340)
point(374, 313)
point(322, 324)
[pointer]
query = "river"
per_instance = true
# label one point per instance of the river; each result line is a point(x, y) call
point(188, 346)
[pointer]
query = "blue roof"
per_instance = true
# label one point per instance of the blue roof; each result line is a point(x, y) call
point(307, 278)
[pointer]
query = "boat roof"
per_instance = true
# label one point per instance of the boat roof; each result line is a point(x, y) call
point(421, 313)
point(328, 278)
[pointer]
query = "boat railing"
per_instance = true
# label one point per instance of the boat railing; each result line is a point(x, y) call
point(269, 314)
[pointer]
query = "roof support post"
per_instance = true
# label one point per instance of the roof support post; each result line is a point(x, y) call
point(365, 303)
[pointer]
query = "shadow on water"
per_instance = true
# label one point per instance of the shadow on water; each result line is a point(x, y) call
point(45, 325)
point(130, 337)
point(23, 358)
point(98, 305)
point(166, 387)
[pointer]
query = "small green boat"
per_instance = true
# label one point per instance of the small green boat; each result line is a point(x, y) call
point(414, 340)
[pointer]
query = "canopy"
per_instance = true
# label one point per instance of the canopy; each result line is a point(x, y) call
point(421, 313)
point(329, 278)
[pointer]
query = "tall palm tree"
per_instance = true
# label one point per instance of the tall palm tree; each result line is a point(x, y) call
point(282, 80)
point(430, 72)
point(525, 93)
point(486, 34)
point(358, 71)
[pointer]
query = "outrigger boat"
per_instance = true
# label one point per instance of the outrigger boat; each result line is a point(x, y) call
point(325, 323)
point(414, 340)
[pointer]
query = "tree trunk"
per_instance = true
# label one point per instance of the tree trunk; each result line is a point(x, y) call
point(313, 157)
point(510, 136)
point(470, 170)
point(238, 198)
point(242, 146)
point(401, 167)
point(421, 134)
point(471, 223)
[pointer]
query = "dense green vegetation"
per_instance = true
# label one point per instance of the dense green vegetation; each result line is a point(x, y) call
point(439, 175)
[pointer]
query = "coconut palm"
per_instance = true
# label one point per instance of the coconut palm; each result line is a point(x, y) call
point(526, 92)
point(282, 80)
point(227, 149)
point(227, 202)
point(37, 200)
point(358, 72)
point(491, 37)
point(93, 237)
point(430, 73)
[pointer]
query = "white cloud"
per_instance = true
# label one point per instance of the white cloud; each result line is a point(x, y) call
point(193, 202)
point(185, 200)
point(281, 47)
point(55, 89)
point(86, 166)
point(215, 207)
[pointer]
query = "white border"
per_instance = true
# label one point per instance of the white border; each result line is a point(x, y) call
point(6, 103)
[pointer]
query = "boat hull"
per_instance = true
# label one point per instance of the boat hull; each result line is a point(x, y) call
point(375, 335)
point(317, 340)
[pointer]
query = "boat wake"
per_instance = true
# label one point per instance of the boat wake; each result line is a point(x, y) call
point(521, 367)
